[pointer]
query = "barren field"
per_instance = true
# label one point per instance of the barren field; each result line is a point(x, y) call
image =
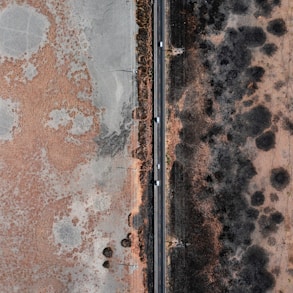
point(74, 165)
point(230, 128)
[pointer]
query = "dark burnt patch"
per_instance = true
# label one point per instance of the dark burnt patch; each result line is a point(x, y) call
point(266, 141)
point(253, 36)
point(248, 103)
point(265, 7)
point(240, 6)
point(251, 123)
point(254, 276)
point(270, 224)
point(255, 256)
point(208, 107)
point(288, 125)
point(234, 56)
point(277, 27)
point(245, 170)
point(230, 204)
point(185, 153)
point(252, 213)
point(206, 46)
point(187, 135)
point(188, 116)
point(192, 280)
point(227, 178)
point(277, 217)
point(279, 84)
point(212, 133)
point(280, 178)
point(219, 175)
point(269, 49)
point(178, 79)
point(255, 73)
point(181, 34)
point(274, 197)
point(210, 15)
point(231, 77)
point(187, 223)
point(257, 199)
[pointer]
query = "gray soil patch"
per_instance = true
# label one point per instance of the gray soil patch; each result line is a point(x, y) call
point(66, 234)
point(8, 119)
point(22, 31)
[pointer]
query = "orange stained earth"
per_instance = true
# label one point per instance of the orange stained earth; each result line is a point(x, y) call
point(37, 166)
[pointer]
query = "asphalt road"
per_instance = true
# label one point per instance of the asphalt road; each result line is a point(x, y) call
point(159, 148)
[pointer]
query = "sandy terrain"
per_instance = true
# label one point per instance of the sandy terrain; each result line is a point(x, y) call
point(230, 103)
point(69, 180)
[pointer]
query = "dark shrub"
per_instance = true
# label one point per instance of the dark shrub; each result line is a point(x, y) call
point(257, 199)
point(277, 27)
point(108, 252)
point(269, 49)
point(266, 141)
point(280, 178)
point(253, 36)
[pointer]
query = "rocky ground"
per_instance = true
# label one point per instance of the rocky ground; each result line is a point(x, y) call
point(230, 168)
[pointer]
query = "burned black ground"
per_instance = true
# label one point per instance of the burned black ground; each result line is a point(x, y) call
point(229, 76)
point(265, 7)
point(250, 124)
point(240, 6)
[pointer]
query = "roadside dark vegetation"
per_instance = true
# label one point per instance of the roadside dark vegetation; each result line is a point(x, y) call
point(143, 221)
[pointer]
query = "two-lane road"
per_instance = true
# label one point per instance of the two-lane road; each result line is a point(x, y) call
point(159, 147)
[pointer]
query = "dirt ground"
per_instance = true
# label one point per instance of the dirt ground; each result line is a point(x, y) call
point(230, 168)
point(72, 161)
